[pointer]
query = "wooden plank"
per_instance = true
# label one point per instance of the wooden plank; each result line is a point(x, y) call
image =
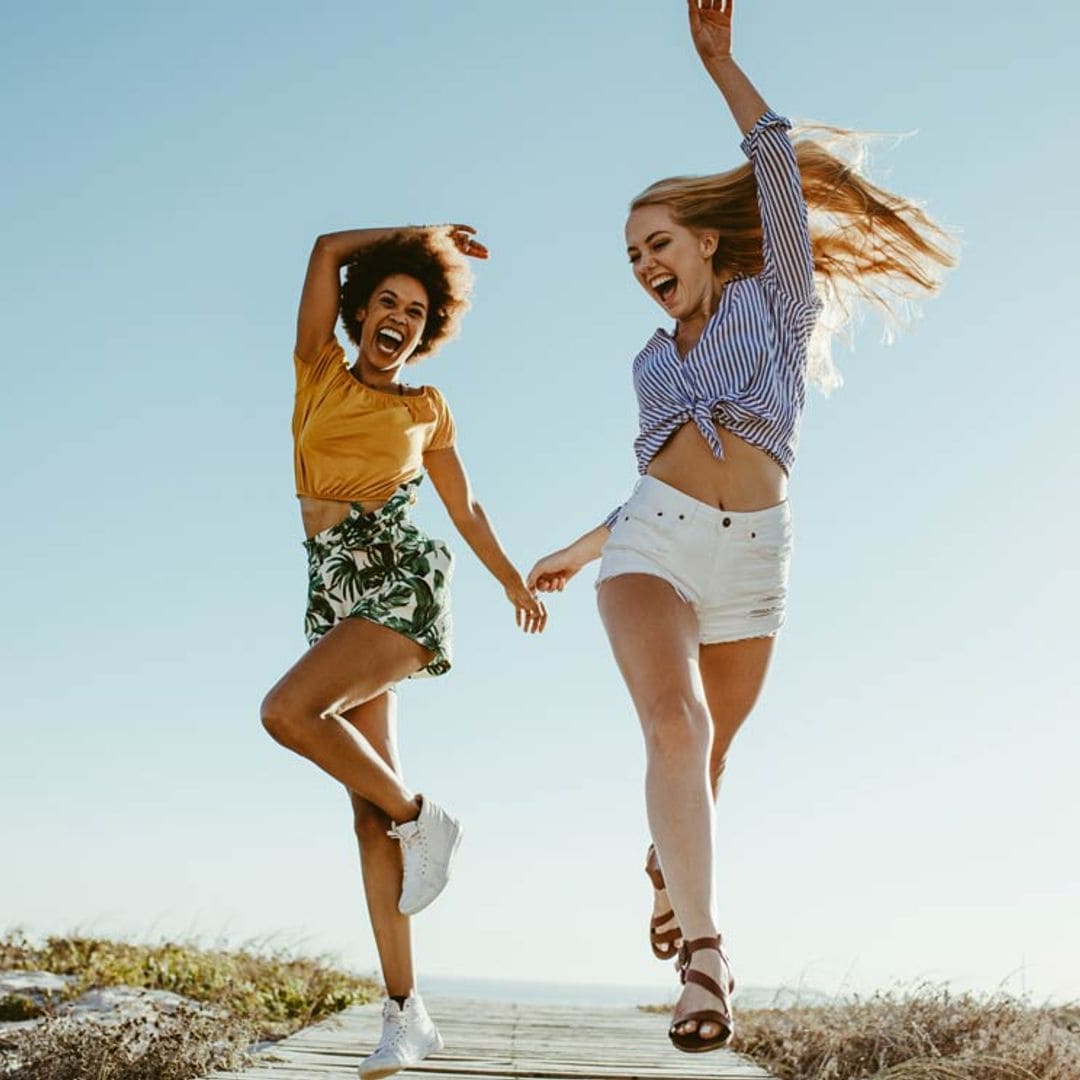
point(501, 1041)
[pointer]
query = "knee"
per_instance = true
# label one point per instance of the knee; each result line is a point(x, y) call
point(677, 727)
point(369, 822)
point(282, 719)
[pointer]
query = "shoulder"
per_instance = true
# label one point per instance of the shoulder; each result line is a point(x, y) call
point(652, 346)
point(328, 355)
point(437, 403)
point(435, 395)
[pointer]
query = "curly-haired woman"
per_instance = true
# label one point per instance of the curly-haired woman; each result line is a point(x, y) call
point(378, 588)
point(693, 576)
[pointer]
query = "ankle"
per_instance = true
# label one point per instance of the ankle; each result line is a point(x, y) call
point(704, 958)
point(411, 809)
point(700, 931)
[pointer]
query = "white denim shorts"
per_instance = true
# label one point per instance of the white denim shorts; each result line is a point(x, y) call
point(731, 567)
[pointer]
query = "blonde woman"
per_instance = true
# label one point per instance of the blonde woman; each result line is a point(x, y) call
point(378, 588)
point(694, 567)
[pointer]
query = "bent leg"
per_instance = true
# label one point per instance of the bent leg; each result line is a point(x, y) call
point(380, 854)
point(355, 662)
point(733, 674)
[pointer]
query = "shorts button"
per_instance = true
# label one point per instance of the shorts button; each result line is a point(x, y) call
point(682, 517)
point(727, 522)
point(659, 513)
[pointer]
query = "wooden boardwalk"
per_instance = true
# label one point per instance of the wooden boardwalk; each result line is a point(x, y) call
point(497, 1041)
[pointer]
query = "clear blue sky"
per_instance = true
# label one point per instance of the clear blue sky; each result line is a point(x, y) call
point(897, 807)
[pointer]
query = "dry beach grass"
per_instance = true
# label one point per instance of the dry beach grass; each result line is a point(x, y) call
point(236, 997)
point(926, 1033)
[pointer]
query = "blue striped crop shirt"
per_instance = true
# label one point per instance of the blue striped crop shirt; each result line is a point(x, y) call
point(747, 371)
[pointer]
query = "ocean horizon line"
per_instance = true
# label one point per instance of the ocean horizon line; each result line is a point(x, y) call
point(551, 992)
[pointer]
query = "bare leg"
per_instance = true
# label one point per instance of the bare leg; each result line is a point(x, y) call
point(653, 634)
point(380, 855)
point(354, 663)
point(733, 674)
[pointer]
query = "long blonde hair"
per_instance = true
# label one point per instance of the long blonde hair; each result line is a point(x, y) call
point(870, 245)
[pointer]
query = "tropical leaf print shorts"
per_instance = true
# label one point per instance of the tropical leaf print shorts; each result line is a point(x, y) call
point(380, 567)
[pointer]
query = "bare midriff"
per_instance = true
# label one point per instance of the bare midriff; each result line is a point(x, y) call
point(319, 514)
point(746, 479)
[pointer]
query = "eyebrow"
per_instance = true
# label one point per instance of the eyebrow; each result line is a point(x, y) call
point(654, 233)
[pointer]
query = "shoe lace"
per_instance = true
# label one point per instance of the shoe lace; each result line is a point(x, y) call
point(408, 839)
point(393, 1029)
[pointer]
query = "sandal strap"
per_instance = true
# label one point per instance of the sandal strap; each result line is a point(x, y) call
point(659, 920)
point(656, 876)
point(703, 1014)
point(707, 981)
point(668, 937)
point(696, 944)
point(708, 1016)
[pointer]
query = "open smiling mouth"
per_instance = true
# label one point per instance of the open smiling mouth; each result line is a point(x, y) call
point(388, 341)
point(664, 285)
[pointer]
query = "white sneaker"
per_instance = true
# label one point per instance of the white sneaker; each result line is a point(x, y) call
point(428, 846)
point(408, 1036)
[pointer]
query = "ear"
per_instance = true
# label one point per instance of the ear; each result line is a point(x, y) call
point(709, 242)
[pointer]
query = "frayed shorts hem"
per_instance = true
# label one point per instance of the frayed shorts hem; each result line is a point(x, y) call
point(731, 567)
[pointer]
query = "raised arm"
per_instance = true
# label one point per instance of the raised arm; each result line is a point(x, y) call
point(319, 298)
point(710, 27)
point(787, 254)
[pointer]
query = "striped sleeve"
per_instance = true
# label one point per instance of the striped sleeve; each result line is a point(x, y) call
point(787, 255)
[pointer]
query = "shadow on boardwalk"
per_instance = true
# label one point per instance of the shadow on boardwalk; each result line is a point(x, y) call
point(494, 1040)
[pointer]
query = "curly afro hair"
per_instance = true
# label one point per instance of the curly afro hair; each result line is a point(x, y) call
point(431, 258)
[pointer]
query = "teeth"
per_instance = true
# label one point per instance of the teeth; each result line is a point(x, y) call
point(661, 279)
point(393, 335)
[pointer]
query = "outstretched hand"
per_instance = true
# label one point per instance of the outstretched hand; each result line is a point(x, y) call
point(552, 572)
point(710, 27)
point(463, 238)
point(529, 612)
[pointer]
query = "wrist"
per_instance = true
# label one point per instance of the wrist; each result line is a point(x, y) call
point(512, 580)
point(575, 556)
point(720, 65)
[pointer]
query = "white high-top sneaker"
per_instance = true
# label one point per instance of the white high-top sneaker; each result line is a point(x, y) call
point(408, 1036)
point(428, 846)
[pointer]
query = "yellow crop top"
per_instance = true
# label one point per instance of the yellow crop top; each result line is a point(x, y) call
point(357, 444)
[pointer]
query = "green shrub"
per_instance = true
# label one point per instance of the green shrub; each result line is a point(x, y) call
point(275, 992)
point(19, 1007)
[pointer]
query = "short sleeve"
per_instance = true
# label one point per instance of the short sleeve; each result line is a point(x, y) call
point(444, 434)
point(329, 357)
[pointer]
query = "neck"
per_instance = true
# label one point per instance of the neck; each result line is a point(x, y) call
point(689, 329)
point(376, 378)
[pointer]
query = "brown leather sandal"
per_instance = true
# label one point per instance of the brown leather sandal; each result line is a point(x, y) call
point(664, 943)
point(691, 1042)
point(683, 963)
